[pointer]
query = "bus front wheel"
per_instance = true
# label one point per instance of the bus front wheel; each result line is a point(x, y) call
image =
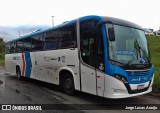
point(68, 84)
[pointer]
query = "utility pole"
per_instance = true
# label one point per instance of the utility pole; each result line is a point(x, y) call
point(19, 33)
point(52, 20)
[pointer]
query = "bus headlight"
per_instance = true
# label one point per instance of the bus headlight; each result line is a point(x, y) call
point(121, 78)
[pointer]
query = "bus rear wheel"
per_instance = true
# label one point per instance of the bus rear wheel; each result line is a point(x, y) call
point(18, 73)
point(68, 84)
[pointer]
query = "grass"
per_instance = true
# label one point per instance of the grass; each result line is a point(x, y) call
point(154, 46)
point(1, 62)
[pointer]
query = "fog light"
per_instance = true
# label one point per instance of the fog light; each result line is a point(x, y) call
point(119, 91)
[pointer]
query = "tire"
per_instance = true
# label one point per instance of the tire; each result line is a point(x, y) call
point(68, 84)
point(19, 74)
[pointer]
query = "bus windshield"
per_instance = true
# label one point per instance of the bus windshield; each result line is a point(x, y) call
point(129, 47)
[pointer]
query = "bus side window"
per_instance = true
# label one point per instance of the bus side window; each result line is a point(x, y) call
point(50, 43)
point(27, 44)
point(7, 51)
point(12, 47)
point(67, 39)
point(51, 39)
point(19, 46)
point(37, 42)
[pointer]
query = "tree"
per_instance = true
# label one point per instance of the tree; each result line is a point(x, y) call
point(2, 48)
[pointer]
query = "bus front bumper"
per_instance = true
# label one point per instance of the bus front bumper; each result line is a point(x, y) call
point(116, 89)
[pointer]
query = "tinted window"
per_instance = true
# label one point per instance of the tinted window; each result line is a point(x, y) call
point(27, 44)
point(88, 41)
point(67, 39)
point(12, 47)
point(51, 39)
point(37, 42)
point(7, 48)
point(50, 43)
point(19, 46)
point(100, 48)
point(61, 38)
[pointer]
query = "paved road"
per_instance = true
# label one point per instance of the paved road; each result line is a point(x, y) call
point(26, 91)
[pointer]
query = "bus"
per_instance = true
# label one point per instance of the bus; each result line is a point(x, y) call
point(99, 55)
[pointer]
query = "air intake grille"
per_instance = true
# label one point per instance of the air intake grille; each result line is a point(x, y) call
point(139, 73)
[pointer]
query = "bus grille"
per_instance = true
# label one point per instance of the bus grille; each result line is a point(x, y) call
point(138, 73)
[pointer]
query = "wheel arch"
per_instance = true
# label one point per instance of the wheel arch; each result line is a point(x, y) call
point(65, 70)
point(18, 66)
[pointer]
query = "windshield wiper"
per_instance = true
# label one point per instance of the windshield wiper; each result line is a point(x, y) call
point(138, 50)
point(130, 62)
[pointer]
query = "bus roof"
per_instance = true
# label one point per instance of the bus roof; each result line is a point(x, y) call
point(58, 26)
point(99, 18)
point(121, 22)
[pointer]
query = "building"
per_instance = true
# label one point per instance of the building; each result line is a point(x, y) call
point(148, 32)
point(157, 33)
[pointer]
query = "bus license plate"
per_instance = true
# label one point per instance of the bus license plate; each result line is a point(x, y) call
point(140, 87)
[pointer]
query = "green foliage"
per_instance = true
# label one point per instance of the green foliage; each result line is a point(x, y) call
point(2, 51)
point(154, 46)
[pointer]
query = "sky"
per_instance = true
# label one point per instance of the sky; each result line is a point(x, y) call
point(38, 12)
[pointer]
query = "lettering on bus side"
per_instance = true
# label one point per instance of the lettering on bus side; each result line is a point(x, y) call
point(63, 58)
point(48, 58)
point(16, 58)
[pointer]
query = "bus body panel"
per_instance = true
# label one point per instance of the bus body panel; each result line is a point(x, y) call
point(11, 61)
point(116, 89)
point(88, 79)
point(33, 60)
point(8, 63)
point(56, 59)
point(100, 83)
point(45, 65)
point(40, 66)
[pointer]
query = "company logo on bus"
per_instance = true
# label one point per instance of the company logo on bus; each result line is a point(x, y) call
point(136, 80)
point(139, 79)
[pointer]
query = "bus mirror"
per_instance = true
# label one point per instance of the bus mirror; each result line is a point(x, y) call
point(111, 34)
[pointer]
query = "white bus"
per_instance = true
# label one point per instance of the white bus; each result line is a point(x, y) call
point(103, 56)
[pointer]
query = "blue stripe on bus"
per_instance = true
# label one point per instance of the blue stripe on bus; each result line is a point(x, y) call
point(28, 64)
point(108, 69)
point(99, 18)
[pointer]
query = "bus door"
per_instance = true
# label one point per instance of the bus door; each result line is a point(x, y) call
point(88, 72)
point(100, 67)
point(92, 65)
point(87, 55)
